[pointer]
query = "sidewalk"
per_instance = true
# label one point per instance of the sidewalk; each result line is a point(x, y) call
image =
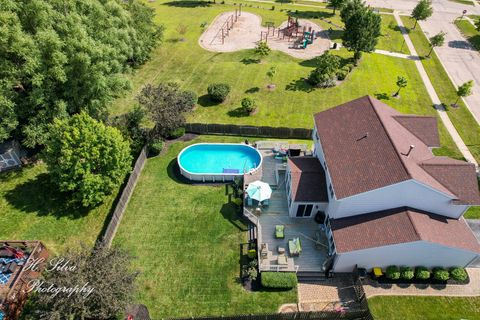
point(434, 97)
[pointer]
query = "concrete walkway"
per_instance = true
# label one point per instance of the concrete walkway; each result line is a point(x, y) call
point(397, 55)
point(434, 97)
point(372, 288)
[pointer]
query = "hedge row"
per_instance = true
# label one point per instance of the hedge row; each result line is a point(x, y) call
point(279, 280)
point(423, 273)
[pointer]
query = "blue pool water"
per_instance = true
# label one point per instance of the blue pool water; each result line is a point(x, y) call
point(219, 158)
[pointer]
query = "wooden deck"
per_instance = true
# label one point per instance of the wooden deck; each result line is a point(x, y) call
point(313, 255)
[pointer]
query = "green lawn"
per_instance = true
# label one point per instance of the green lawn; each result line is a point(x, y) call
point(470, 32)
point(391, 38)
point(467, 2)
point(186, 239)
point(461, 117)
point(194, 68)
point(31, 209)
point(424, 308)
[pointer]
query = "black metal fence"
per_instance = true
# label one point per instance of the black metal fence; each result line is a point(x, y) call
point(124, 198)
point(248, 131)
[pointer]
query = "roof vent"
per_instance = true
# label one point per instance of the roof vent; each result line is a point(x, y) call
point(409, 150)
point(365, 136)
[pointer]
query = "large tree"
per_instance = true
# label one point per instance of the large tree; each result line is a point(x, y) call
point(336, 4)
point(362, 29)
point(106, 272)
point(61, 57)
point(422, 11)
point(350, 7)
point(324, 75)
point(86, 158)
point(166, 105)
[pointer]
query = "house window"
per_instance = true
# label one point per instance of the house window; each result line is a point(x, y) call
point(304, 210)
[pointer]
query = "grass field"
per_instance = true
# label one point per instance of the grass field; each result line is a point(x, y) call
point(31, 209)
point(424, 308)
point(467, 2)
point(470, 32)
point(194, 68)
point(293, 102)
point(186, 239)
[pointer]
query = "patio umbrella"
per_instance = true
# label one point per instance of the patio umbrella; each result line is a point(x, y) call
point(259, 191)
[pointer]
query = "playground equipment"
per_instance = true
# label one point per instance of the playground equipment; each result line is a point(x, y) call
point(228, 25)
point(301, 36)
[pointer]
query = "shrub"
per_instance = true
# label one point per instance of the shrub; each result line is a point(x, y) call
point(406, 273)
point(155, 147)
point(252, 253)
point(326, 72)
point(393, 273)
point(341, 75)
point(262, 49)
point(192, 97)
point(350, 67)
point(279, 280)
point(218, 92)
point(273, 8)
point(177, 133)
point(422, 273)
point(248, 105)
point(440, 274)
point(458, 274)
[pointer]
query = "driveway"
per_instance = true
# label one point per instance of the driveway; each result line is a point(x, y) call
point(460, 60)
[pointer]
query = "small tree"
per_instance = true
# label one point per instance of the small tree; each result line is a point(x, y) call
point(166, 105)
point(262, 49)
point(182, 30)
point(106, 271)
point(325, 73)
point(401, 83)
point(336, 4)
point(218, 92)
point(86, 158)
point(271, 73)
point(248, 105)
point(436, 41)
point(464, 91)
point(362, 30)
point(422, 11)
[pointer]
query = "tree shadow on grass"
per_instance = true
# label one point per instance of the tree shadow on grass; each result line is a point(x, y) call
point(299, 85)
point(40, 196)
point(188, 4)
point(205, 101)
point(247, 61)
point(252, 90)
point(382, 96)
point(311, 14)
point(237, 113)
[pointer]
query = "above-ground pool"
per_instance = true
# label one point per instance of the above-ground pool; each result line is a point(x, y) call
point(218, 161)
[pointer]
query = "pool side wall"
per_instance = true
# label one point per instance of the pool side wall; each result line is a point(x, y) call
point(215, 177)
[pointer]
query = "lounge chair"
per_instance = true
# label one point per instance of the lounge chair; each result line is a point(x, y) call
point(9, 267)
point(295, 246)
point(279, 231)
point(266, 203)
point(5, 253)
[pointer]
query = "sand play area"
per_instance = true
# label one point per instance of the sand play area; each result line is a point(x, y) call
point(244, 31)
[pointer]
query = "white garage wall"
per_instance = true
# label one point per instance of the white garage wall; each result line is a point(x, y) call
point(419, 253)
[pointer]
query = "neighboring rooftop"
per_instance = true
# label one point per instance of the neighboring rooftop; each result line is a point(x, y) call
point(401, 225)
point(369, 145)
point(308, 180)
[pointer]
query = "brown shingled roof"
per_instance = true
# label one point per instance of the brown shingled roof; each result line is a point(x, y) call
point(458, 176)
point(308, 180)
point(401, 225)
point(369, 145)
